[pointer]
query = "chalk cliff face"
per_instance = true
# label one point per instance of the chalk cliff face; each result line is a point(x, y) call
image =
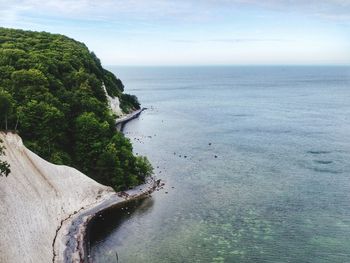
point(35, 198)
point(114, 103)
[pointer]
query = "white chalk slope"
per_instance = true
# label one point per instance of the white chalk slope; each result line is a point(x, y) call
point(34, 199)
point(113, 103)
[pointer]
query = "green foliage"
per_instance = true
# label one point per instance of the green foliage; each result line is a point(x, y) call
point(6, 105)
point(52, 93)
point(90, 137)
point(29, 84)
point(113, 85)
point(43, 126)
point(129, 103)
point(4, 166)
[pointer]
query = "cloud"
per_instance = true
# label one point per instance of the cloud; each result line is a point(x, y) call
point(142, 31)
point(231, 40)
point(247, 40)
point(166, 9)
point(326, 9)
point(86, 9)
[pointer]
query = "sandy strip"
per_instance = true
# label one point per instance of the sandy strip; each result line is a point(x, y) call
point(73, 245)
point(45, 208)
point(122, 121)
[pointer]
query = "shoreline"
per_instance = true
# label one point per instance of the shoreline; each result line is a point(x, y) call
point(71, 243)
point(120, 123)
point(78, 227)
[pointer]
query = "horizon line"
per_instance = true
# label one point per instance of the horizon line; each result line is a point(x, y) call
point(227, 65)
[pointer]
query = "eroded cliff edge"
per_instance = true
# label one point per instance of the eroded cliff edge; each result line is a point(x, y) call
point(36, 198)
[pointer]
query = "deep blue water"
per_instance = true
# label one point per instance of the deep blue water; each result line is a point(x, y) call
point(279, 189)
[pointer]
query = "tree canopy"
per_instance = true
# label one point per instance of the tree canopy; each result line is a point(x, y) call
point(51, 92)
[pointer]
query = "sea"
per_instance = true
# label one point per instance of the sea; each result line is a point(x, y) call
point(255, 162)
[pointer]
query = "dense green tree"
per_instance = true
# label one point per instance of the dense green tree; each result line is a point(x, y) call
point(53, 94)
point(10, 55)
point(29, 84)
point(43, 124)
point(129, 102)
point(108, 166)
point(143, 168)
point(6, 106)
point(90, 138)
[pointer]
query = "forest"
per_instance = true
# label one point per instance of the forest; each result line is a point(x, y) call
point(52, 95)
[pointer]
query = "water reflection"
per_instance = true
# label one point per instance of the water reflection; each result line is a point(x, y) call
point(110, 220)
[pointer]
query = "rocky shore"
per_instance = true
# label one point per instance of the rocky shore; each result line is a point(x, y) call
point(75, 232)
point(123, 120)
point(46, 209)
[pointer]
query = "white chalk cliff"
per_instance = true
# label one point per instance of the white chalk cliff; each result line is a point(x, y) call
point(36, 199)
point(114, 103)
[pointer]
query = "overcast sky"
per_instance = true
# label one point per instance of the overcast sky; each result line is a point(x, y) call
point(194, 32)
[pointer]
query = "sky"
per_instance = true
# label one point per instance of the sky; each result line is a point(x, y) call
point(195, 32)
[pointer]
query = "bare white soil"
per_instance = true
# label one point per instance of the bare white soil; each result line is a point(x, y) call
point(36, 200)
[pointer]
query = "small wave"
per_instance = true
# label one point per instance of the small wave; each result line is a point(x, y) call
point(241, 115)
point(322, 170)
point(318, 152)
point(323, 162)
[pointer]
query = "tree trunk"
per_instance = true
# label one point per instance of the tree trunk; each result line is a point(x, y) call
point(5, 122)
point(17, 123)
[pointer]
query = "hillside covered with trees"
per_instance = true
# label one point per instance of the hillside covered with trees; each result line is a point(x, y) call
point(51, 92)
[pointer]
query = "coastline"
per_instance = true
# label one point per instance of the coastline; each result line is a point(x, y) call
point(40, 199)
point(77, 228)
point(49, 218)
point(123, 120)
point(72, 242)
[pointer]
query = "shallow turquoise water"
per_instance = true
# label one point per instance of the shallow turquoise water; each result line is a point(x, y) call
point(279, 189)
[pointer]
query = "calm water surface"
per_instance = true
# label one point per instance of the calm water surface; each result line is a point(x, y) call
point(279, 189)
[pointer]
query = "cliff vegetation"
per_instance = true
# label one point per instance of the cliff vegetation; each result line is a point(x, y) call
point(52, 93)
